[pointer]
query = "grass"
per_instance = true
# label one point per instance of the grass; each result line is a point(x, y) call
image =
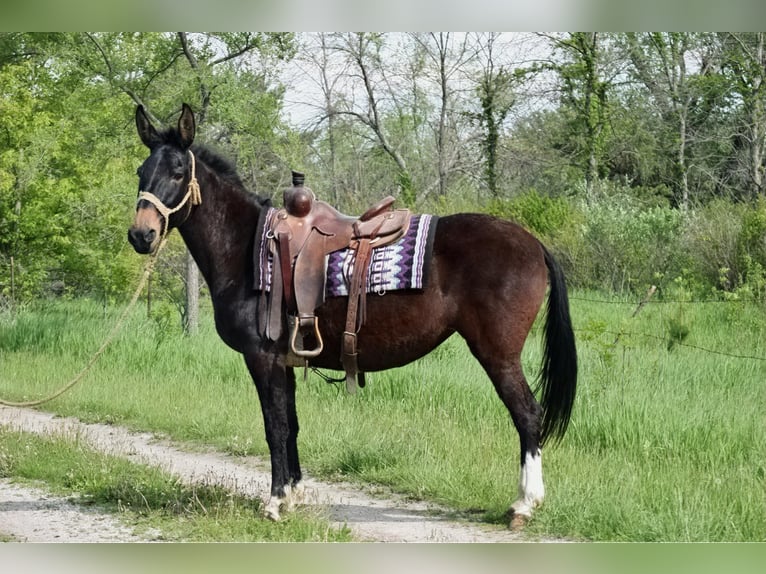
point(666, 441)
point(149, 499)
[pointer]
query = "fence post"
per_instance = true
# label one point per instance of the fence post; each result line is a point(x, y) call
point(13, 286)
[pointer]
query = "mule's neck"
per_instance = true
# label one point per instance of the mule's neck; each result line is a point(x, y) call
point(219, 232)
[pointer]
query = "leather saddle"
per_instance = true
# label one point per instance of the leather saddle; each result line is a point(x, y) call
point(302, 234)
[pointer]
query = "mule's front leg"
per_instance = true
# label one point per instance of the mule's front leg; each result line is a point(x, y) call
point(276, 391)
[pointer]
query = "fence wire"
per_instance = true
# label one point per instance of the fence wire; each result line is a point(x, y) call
point(667, 340)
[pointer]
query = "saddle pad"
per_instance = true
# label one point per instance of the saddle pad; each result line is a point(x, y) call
point(397, 266)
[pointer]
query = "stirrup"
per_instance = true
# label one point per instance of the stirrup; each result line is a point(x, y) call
point(306, 353)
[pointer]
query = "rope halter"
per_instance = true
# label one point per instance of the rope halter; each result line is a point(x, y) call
point(192, 192)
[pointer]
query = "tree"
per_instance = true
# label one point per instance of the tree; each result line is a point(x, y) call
point(447, 54)
point(660, 62)
point(494, 90)
point(584, 90)
point(68, 152)
point(113, 57)
point(53, 206)
point(744, 67)
point(363, 52)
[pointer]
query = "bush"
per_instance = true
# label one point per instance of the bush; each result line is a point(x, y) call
point(726, 244)
point(621, 243)
point(751, 245)
point(543, 215)
point(628, 247)
point(710, 239)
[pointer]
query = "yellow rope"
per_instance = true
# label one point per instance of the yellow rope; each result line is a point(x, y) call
point(193, 193)
point(141, 283)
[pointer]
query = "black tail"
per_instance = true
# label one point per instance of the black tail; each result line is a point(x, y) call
point(558, 376)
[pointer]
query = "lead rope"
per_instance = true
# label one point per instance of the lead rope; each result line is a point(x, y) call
point(194, 194)
point(141, 283)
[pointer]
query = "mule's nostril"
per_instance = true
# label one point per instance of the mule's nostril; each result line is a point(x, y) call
point(141, 240)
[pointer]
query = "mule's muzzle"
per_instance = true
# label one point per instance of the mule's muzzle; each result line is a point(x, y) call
point(143, 240)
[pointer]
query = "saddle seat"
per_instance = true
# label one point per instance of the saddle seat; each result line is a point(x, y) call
point(304, 232)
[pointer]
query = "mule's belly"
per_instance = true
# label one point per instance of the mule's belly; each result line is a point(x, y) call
point(400, 328)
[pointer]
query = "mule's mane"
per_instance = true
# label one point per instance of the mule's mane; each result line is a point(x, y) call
point(223, 167)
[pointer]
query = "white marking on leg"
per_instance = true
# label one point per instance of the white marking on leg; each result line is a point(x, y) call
point(271, 510)
point(531, 489)
point(295, 495)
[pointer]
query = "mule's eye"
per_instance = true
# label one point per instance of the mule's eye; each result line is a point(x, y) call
point(177, 177)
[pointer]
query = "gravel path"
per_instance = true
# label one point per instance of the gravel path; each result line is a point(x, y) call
point(28, 514)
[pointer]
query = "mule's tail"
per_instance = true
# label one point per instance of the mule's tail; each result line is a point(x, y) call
point(558, 377)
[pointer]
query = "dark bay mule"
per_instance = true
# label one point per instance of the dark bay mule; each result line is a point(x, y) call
point(488, 281)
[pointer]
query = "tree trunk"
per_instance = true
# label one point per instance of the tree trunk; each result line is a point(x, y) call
point(684, 172)
point(191, 314)
point(592, 109)
point(758, 122)
point(357, 46)
point(441, 140)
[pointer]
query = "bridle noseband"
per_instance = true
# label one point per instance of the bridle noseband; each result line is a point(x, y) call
point(192, 193)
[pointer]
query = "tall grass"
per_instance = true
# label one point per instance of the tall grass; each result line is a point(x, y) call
point(666, 441)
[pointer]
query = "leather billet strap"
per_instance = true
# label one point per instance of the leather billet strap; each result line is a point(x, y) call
point(285, 261)
point(355, 314)
point(192, 192)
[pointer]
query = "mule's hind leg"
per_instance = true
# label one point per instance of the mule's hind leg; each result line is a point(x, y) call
point(512, 387)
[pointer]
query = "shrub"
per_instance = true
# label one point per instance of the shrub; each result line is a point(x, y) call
point(751, 245)
point(543, 215)
point(628, 246)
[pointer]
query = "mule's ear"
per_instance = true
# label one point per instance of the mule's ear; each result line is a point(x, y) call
point(186, 126)
point(146, 130)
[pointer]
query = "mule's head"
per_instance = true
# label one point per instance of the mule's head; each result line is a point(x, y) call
point(166, 181)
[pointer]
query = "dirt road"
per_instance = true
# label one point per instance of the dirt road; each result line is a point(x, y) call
point(32, 515)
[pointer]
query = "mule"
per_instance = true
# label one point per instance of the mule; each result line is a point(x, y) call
point(488, 281)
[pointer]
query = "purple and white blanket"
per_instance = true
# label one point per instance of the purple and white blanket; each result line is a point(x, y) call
point(400, 265)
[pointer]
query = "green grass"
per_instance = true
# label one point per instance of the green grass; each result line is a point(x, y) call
point(147, 498)
point(666, 441)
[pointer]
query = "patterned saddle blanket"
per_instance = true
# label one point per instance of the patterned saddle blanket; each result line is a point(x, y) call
point(397, 266)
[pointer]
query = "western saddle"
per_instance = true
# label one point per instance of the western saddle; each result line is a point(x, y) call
point(302, 234)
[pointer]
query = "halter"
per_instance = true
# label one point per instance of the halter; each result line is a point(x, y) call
point(192, 192)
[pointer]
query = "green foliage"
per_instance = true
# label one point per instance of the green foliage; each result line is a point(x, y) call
point(751, 249)
point(626, 246)
point(726, 247)
point(68, 150)
point(622, 243)
point(677, 331)
point(547, 217)
point(541, 214)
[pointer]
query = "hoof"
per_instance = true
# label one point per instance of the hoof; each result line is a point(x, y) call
point(517, 522)
point(520, 513)
point(271, 510)
point(295, 496)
